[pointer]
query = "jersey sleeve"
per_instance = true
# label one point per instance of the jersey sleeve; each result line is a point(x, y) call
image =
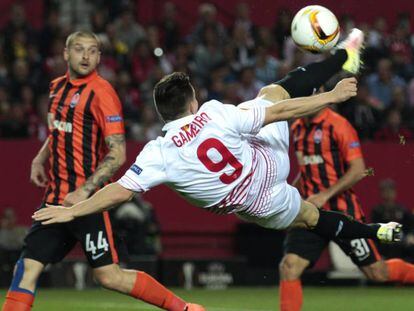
point(147, 171)
point(107, 111)
point(244, 119)
point(349, 144)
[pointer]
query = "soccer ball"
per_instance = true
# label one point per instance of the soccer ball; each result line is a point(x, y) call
point(315, 29)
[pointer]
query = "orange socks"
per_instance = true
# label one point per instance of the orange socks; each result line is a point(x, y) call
point(148, 289)
point(400, 271)
point(290, 295)
point(18, 301)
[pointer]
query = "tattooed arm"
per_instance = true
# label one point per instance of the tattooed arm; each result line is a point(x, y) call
point(105, 170)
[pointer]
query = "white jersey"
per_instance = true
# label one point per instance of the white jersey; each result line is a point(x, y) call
point(214, 160)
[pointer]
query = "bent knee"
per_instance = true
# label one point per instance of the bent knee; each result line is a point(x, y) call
point(292, 266)
point(377, 275)
point(308, 216)
point(376, 272)
point(273, 93)
point(106, 280)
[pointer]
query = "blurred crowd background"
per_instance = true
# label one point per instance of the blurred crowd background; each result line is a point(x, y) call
point(225, 63)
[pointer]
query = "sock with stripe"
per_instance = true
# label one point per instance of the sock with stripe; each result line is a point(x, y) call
point(290, 295)
point(303, 81)
point(400, 271)
point(148, 289)
point(18, 299)
point(337, 225)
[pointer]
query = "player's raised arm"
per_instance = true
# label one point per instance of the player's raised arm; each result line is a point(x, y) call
point(303, 106)
point(106, 198)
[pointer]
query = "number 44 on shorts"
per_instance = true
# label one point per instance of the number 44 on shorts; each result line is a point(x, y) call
point(101, 244)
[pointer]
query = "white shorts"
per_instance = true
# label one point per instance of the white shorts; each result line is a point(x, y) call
point(286, 199)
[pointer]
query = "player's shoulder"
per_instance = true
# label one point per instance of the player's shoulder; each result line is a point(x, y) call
point(336, 119)
point(296, 123)
point(154, 144)
point(216, 106)
point(56, 81)
point(102, 86)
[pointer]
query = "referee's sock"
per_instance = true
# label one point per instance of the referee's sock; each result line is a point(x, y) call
point(303, 81)
point(400, 271)
point(148, 289)
point(337, 225)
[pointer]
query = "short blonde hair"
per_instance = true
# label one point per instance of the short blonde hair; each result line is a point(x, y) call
point(82, 34)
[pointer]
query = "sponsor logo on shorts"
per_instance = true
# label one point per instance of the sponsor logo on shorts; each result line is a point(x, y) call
point(94, 257)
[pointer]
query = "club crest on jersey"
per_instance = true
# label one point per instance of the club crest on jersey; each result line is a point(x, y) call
point(74, 101)
point(317, 137)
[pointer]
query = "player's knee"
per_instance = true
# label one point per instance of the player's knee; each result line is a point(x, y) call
point(377, 273)
point(291, 267)
point(308, 216)
point(108, 278)
point(312, 216)
point(273, 93)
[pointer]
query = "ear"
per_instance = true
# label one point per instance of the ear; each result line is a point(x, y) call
point(99, 58)
point(194, 106)
point(66, 54)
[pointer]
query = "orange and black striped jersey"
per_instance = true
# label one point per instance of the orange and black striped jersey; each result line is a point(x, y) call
point(324, 146)
point(81, 114)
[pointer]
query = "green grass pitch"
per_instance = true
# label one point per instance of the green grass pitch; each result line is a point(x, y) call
point(235, 299)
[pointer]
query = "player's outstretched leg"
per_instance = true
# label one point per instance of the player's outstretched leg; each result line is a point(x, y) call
point(141, 286)
point(336, 225)
point(303, 81)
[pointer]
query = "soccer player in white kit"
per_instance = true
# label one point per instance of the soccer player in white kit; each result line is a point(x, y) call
point(229, 159)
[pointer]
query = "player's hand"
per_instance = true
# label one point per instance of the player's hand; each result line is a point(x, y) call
point(38, 175)
point(75, 197)
point(318, 199)
point(344, 90)
point(53, 214)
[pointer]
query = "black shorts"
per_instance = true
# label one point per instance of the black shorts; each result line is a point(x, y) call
point(309, 245)
point(51, 243)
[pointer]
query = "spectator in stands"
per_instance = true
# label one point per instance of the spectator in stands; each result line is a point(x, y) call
point(208, 54)
point(281, 29)
point(16, 32)
point(148, 128)
point(11, 241)
point(208, 18)
point(169, 27)
point(136, 223)
point(127, 30)
point(243, 20)
point(143, 62)
point(244, 45)
point(389, 209)
point(266, 66)
point(382, 82)
point(363, 112)
point(249, 85)
point(11, 234)
point(393, 129)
